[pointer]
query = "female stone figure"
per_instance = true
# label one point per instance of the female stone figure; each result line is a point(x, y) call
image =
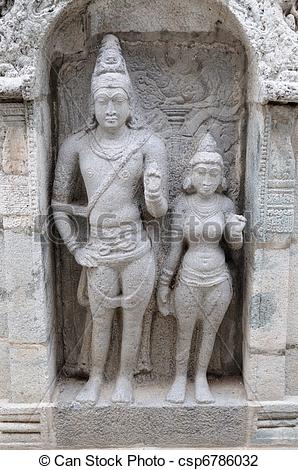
point(203, 290)
point(119, 267)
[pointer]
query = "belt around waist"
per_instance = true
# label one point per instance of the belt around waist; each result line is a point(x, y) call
point(115, 254)
point(193, 277)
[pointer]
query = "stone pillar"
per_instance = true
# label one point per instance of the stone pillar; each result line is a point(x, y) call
point(292, 330)
point(4, 347)
point(271, 165)
point(26, 346)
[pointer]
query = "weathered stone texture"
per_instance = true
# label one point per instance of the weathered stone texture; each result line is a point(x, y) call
point(32, 362)
point(14, 139)
point(27, 318)
point(247, 90)
point(4, 370)
point(180, 108)
point(264, 376)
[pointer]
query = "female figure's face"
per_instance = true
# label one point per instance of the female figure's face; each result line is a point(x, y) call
point(112, 108)
point(206, 177)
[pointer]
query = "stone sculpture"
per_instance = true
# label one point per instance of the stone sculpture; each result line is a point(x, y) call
point(290, 10)
point(5, 6)
point(115, 157)
point(44, 6)
point(203, 290)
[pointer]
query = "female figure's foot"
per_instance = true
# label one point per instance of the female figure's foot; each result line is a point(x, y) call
point(91, 391)
point(178, 390)
point(82, 370)
point(123, 392)
point(202, 390)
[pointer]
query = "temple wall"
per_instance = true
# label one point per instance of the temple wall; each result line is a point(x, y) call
point(248, 66)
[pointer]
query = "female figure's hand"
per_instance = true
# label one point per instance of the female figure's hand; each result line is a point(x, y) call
point(236, 224)
point(163, 300)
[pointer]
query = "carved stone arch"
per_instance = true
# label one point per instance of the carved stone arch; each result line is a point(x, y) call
point(270, 344)
point(247, 20)
point(242, 18)
point(255, 23)
point(73, 63)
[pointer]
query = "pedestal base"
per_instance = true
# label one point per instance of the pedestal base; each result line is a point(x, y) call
point(231, 421)
point(151, 421)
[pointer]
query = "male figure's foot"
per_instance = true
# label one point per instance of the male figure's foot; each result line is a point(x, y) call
point(123, 392)
point(202, 390)
point(91, 391)
point(178, 390)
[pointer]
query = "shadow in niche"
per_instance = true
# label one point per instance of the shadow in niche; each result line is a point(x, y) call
point(185, 84)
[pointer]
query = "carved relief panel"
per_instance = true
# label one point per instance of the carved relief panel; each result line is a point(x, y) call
point(277, 174)
point(290, 12)
point(184, 87)
point(13, 144)
point(5, 6)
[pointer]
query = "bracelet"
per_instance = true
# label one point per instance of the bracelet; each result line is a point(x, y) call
point(163, 282)
point(154, 197)
point(72, 246)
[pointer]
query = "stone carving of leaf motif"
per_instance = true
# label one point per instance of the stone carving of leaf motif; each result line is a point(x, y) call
point(194, 81)
point(204, 85)
point(44, 6)
point(176, 67)
point(158, 122)
point(221, 101)
point(252, 13)
point(75, 105)
point(290, 12)
point(5, 6)
point(148, 89)
point(161, 80)
point(176, 59)
point(148, 63)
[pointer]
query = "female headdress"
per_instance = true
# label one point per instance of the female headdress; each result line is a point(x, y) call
point(208, 153)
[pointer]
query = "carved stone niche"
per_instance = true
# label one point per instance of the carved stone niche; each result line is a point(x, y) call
point(185, 85)
point(187, 82)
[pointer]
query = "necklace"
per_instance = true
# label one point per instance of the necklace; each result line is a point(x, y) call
point(207, 210)
point(113, 152)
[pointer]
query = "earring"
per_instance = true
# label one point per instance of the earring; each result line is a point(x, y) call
point(188, 184)
point(224, 183)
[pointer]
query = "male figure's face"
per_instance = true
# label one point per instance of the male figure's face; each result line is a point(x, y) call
point(111, 108)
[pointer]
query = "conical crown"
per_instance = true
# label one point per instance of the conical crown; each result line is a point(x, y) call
point(208, 144)
point(110, 69)
point(207, 152)
point(110, 59)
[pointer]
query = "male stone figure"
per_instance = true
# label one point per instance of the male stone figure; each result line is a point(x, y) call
point(115, 159)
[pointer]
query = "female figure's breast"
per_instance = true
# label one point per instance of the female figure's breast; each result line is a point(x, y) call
point(203, 236)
